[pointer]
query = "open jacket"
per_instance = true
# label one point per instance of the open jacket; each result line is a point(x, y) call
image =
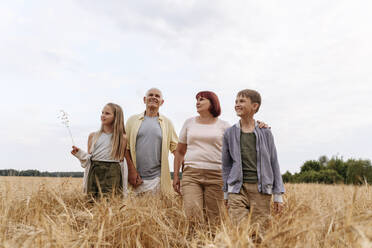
point(169, 143)
point(268, 172)
point(86, 162)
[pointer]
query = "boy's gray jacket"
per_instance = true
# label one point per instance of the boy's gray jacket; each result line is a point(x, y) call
point(268, 172)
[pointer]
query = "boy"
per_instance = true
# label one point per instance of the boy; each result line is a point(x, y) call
point(250, 167)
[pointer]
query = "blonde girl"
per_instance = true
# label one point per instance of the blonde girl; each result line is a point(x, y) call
point(104, 163)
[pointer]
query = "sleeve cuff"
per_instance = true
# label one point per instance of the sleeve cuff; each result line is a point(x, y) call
point(225, 195)
point(81, 155)
point(278, 198)
point(84, 158)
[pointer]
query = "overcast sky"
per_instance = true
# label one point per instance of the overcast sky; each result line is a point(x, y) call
point(310, 60)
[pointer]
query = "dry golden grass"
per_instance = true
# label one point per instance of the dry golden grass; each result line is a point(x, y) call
point(52, 212)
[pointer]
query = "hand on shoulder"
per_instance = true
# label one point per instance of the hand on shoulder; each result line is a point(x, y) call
point(262, 124)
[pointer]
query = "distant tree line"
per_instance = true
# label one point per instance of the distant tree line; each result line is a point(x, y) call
point(323, 170)
point(36, 173)
point(330, 171)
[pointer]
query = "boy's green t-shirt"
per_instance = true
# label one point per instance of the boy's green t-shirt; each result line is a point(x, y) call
point(249, 157)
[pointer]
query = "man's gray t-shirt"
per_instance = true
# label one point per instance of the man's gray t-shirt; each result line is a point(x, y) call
point(148, 148)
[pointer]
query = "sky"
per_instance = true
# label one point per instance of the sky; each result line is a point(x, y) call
point(310, 60)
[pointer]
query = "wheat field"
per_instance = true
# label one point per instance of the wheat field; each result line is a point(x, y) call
point(53, 212)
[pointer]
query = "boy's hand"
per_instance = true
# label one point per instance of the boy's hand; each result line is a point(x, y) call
point(262, 124)
point(278, 207)
point(74, 150)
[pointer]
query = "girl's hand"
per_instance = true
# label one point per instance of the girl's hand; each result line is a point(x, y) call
point(176, 184)
point(74, 150)
point(134, 178)
point(138, 180)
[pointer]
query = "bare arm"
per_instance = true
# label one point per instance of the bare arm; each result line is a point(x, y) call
point(128, 157)
point(125, 142)
point(178, 159)
point(133, 176)
point(90, 140)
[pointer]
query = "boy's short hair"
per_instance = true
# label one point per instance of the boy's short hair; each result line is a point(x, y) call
point(253, 95)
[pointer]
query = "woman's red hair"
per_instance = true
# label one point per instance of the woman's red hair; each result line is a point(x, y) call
point(215, 108)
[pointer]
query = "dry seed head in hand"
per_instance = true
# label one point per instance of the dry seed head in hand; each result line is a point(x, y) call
point(65, 121)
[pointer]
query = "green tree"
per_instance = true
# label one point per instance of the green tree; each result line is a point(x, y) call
point(310, 176)
point(311, 165)
point(287, 177)
point(323, 160)
point(330, 177)
point(358, 171)
point(338, 165)
point(30, 173)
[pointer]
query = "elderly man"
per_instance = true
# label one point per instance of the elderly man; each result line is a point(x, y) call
point(150, 138)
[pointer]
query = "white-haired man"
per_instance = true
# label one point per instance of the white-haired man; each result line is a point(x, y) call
point(150, 138)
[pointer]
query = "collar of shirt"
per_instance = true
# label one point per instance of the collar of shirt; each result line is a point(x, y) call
point(142, 116)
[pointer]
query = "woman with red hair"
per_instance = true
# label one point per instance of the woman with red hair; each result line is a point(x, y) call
point(200, 147)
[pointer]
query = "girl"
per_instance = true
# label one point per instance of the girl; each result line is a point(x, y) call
point(105, 169)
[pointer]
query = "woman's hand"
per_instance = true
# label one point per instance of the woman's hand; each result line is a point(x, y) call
point(176, 184)
point(262, 124)
point(74, 150)
point(179, 156)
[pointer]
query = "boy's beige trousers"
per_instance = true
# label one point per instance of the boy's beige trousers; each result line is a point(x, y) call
point(247, 201)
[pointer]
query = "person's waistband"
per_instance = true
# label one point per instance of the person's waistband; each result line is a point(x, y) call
point(201, 170)
point(104, 162)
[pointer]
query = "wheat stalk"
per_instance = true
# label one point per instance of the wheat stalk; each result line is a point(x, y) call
point(53, 212)
point(65, 121)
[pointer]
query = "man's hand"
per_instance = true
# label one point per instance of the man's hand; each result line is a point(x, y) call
point(176, 184)
point(278, 207)
point(134, 178)
point(139, 180)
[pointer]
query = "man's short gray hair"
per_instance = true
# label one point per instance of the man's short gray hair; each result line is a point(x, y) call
point(161, 93)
